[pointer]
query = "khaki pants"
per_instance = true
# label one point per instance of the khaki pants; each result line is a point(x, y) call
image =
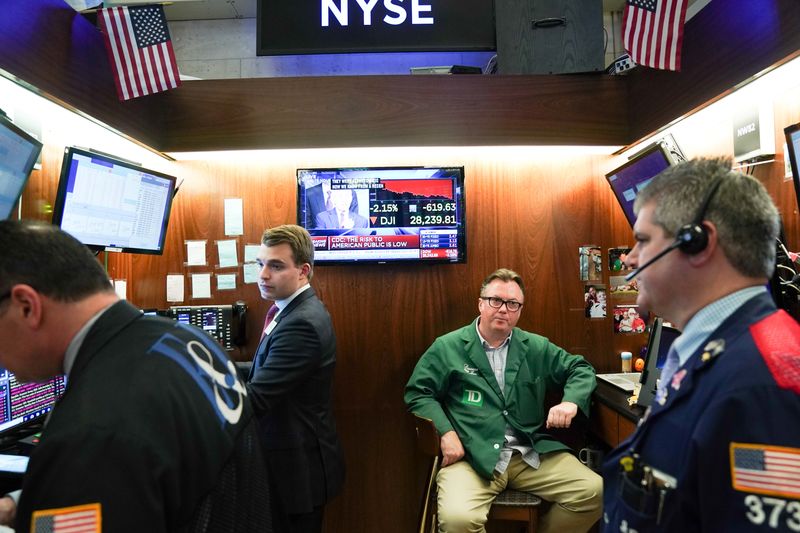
point(575, 491)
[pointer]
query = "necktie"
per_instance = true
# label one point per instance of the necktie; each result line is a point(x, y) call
point(341, 219)
point(670, 366)
point(270, 315)
point(328, 202)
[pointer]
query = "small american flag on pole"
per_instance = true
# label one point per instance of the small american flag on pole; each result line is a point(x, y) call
point(765, 469)
point(652, 32)
point(139, 49)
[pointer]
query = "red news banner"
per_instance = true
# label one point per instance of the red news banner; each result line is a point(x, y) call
point(365, 242)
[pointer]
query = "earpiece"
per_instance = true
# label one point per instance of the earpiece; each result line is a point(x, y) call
point(693, 238)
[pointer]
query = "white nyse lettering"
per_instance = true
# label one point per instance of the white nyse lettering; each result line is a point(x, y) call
point(366, 7)
point(415, 11)
point(329, 6)
point(398, 10)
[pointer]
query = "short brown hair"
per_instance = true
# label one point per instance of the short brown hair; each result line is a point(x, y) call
point(503, 274)
point(298, 240)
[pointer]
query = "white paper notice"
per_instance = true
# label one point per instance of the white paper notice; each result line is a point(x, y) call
point(174, 287)
point(196, 253)
point(121, 288)
point(233, 216)
point(251, 271)
point(201, 285)
point(251, 252)
point(226, 282)
point(227, 253)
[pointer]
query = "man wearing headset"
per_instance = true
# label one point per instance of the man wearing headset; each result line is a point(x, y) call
point(719, 449)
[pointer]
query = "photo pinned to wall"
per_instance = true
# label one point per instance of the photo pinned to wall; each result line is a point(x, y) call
point(620, 287)
point(591, 262)
point(627, 320)
point(594, 298)
point(616, 259)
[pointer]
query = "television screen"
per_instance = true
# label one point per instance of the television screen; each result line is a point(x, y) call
point(24, 403)
point(384, 214)
point(113, 205)
point(627, 180)
point(793, 151)
point(332, 26)
point(18, 154)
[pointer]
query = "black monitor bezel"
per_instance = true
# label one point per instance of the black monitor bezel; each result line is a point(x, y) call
point(58, 208)
point(462, 208)
point(655, 147)
point(789, 132)
point(650, 373)
point(33, 157)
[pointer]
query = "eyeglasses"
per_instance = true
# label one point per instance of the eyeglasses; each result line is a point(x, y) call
point(497, 303)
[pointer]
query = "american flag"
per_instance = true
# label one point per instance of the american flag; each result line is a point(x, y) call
point(766, 469)
point(139, 49)
point(80, 519)
point(652, 32)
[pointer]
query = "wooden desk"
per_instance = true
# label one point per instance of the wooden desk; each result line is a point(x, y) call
point(612, 419)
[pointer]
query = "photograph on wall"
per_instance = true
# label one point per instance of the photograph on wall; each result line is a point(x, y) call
point(594, 298)
point(620, 287)
point(627, 320)
point(591, 262)
point(616, 259)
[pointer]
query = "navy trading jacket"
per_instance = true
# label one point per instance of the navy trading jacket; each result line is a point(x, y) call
point(722, 453)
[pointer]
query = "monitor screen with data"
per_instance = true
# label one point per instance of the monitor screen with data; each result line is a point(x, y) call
point(18, 154)
point(113, 205)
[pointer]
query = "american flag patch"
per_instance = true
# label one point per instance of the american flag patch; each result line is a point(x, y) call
point(78, 519)
point(764, 469)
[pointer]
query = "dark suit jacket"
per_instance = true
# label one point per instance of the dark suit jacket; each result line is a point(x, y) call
point(290, 388)
point(329, 219)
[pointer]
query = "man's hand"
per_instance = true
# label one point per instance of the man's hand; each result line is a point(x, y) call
point(452, 450)
point(8, 511)
point(561, 415)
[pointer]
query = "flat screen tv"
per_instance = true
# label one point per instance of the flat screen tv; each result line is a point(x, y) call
point(385, 214)
point(793, 152)
point(627, 180)
point(18, 153)
point(22, 404)
point(113, 205)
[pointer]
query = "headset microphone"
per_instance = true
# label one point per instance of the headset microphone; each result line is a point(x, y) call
point(661, 254)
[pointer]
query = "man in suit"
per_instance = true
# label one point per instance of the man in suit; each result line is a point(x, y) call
point(318, 200)
point(483, 386)
point(341, 215)
point(719, 447)
point(290, 385)
point(154, 432)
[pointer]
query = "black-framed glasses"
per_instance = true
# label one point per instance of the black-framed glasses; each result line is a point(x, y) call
point(497, 303)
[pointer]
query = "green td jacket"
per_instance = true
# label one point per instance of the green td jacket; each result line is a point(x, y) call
point(453, 385)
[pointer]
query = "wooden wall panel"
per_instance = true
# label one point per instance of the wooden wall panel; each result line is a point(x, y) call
point(339, 111)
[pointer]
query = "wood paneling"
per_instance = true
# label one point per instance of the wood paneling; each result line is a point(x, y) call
point(724, 44)
point(395, 111)
point(49, 46)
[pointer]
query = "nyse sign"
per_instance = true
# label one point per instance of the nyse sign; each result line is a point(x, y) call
point(396, 13)
point(340, 26)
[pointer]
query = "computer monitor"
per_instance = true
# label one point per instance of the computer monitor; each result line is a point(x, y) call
point(627, 180)
point(22, 404)
point(658, 345)
point(18, 154)
point(113, 205)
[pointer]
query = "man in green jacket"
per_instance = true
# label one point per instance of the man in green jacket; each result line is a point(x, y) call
point(483, 386)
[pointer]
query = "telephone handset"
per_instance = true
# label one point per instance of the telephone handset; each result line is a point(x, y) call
point(239, 323)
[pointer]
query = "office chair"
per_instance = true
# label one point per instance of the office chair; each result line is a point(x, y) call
point(509, 505)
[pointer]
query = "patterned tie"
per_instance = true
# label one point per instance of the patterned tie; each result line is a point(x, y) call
point(341, 219)
point(670, 366)
point(270, 315)
point(328, 201)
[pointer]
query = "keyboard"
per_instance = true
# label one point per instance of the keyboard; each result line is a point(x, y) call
point(626, 381)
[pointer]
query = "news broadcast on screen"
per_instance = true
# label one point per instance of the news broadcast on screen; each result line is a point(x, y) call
point(384, 214)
